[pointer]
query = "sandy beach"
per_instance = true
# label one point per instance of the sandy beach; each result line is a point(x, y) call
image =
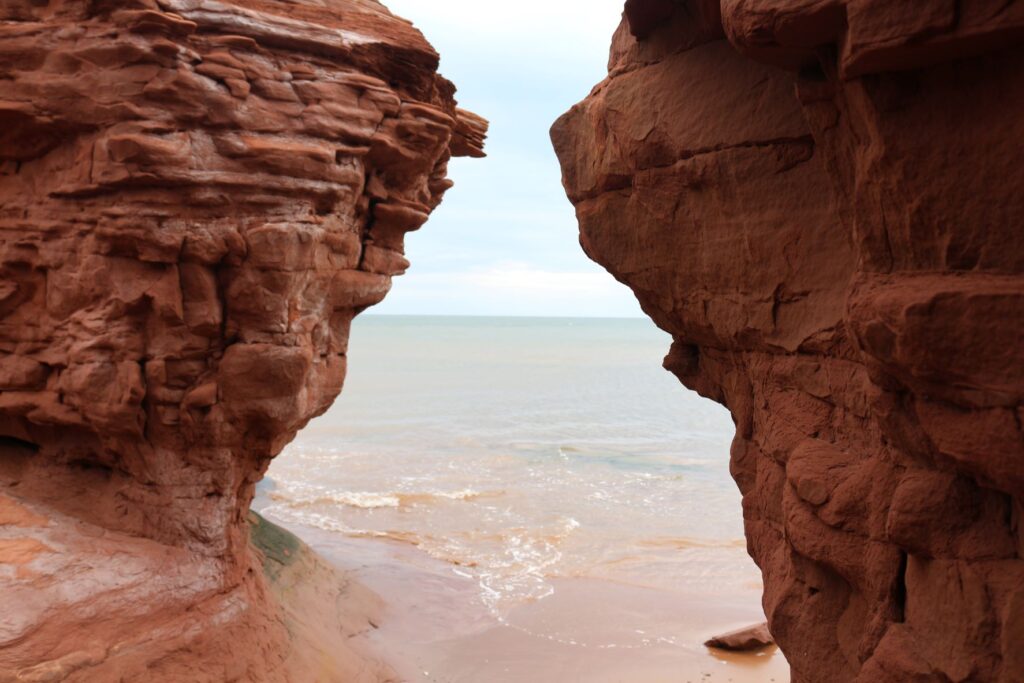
point(434, 626)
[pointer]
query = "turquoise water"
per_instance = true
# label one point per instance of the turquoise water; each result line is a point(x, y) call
point(521, 450)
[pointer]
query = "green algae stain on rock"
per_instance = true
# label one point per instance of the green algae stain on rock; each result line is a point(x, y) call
point(325, 611)
point(280, 548)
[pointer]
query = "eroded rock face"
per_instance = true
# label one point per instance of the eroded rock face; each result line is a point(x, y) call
point(196, 197)
point(822, 202)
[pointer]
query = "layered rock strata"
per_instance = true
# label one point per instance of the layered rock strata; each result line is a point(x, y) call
point(196, 197)
point(822, 202)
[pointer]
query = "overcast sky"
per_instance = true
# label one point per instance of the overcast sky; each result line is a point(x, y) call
point(505, 241)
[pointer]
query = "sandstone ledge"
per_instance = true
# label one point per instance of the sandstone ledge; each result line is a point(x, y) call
point(102, 606)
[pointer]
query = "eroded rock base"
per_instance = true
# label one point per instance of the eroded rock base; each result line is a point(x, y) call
point(84, 604)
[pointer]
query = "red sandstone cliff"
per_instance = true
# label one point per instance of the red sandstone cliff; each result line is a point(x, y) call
point(823, 202)
point(196, 197)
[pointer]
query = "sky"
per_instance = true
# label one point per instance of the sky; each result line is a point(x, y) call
point(505, 239)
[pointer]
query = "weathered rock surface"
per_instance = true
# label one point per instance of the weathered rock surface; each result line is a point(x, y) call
point(743, 640)
point(822, 201)
point(196, 197)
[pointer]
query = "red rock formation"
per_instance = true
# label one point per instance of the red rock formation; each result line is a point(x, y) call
point(196, 197)
point(836, 249)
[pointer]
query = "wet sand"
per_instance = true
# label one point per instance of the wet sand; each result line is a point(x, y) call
point(435, 627)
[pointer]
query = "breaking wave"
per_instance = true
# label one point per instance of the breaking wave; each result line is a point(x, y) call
point(304, 496)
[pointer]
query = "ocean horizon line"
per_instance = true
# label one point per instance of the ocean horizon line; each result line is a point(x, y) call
point(502, 317)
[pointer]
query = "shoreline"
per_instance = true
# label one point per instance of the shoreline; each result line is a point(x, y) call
point(435, 627)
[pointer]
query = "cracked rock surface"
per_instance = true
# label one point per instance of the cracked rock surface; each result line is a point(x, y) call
point(822, 202)
point(196, 197)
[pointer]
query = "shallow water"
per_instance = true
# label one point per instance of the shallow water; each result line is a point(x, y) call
point(523, 452)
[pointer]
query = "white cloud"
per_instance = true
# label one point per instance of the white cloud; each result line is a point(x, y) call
point(523, 277)
point(511, 288)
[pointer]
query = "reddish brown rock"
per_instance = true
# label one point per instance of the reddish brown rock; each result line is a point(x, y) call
point(743, 640)
point(835, 247)
point(196, 197)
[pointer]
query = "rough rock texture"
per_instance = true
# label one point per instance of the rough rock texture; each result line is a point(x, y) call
point(196, 197)
point(822, 201)
point(325, 611)
point(743, 640)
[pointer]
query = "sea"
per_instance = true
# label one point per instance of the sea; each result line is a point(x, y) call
point(521, 451)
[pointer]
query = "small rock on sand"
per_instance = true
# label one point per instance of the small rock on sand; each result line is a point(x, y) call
point(744, 639)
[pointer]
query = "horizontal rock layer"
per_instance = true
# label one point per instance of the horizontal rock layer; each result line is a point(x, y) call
point(196, 197)
point(835, 247)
